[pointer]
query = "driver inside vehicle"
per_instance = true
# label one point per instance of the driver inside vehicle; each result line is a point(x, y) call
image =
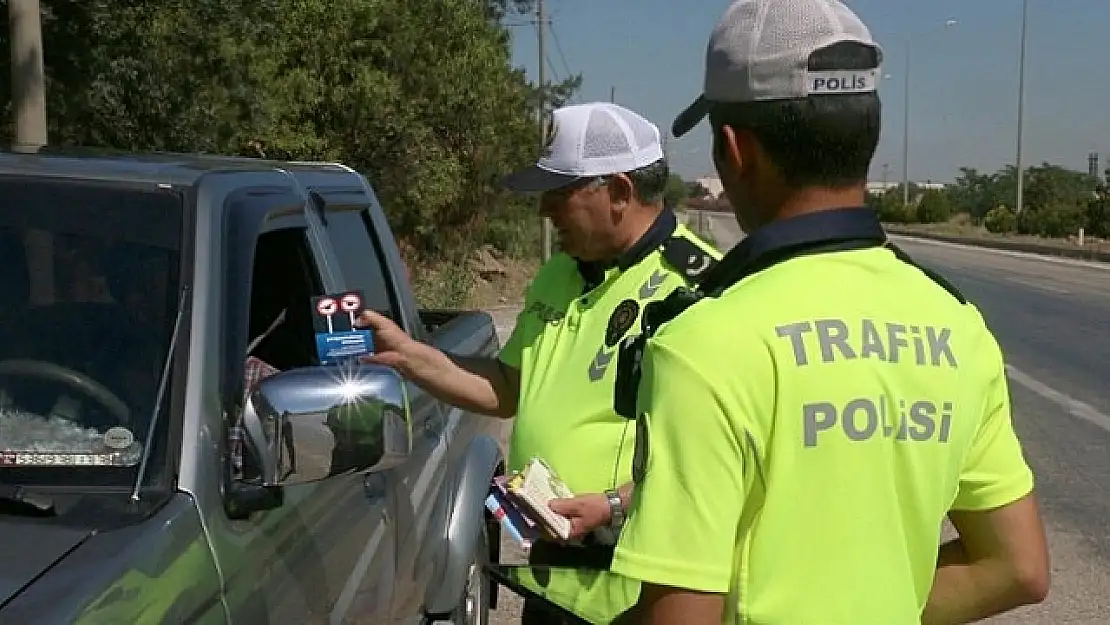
point(137, 277)
point(88, 356)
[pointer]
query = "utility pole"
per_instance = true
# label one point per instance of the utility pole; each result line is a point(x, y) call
point(1020, 203)
point(906, 120)
point(906, 133)
point(541, 26)
point(28, 82)
point(613, 94)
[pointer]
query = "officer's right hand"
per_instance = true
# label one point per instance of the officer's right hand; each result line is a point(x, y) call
point(393, 347)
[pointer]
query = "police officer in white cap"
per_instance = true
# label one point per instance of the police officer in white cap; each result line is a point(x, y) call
point(808, 417)
point(601, 180)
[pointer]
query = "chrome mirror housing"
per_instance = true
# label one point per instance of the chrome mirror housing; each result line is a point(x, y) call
point(309, 424)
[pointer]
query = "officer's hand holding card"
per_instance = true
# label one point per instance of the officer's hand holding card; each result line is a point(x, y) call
point(337, 337)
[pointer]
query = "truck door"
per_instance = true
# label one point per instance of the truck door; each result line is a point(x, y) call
point(415, 484)
point(316, 558)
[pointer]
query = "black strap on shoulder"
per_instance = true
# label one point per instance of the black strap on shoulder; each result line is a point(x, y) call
point(688, 258)
point(934, 276)
point(814, 233)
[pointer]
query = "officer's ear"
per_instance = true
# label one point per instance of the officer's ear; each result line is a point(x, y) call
point(621, 191)
point(736, 148)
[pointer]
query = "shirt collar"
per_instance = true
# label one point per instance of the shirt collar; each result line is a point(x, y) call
point(794, 236)
point(659, 231)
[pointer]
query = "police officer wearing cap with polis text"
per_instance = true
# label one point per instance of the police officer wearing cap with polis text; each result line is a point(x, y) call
point(601, 178)
point(809, 416)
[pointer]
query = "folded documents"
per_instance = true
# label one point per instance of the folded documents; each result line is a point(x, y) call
point(524, 496)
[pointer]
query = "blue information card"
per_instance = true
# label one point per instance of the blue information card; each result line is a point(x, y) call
point(333, 319)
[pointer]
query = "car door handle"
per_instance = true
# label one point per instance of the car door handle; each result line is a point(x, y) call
point(375, 487)
point(433, 425)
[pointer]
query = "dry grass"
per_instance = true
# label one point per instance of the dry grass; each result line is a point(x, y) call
point(962, 227)
point(504, 290)
point(467, 285)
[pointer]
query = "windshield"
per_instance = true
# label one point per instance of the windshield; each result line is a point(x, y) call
point(89, 283)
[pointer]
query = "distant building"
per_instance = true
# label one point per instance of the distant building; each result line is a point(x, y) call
point(883, 187)
point(712, 184)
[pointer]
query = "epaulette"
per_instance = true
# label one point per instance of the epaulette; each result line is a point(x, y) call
point(688, 258)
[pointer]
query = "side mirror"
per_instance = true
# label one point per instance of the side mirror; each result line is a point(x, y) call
point(306, 425)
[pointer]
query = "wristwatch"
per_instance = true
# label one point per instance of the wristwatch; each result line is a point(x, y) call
point(616, 509)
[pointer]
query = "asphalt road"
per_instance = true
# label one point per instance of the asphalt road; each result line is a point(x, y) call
point(1052, 319)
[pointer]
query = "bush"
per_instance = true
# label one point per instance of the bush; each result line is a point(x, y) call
point(934, 207)
point(1053, 221)
point(893, 211)
point(1098, 217)
point(1000, 220)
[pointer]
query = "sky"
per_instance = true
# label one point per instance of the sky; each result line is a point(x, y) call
point(963, 77)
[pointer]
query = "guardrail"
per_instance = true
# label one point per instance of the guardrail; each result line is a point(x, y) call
point(1028, 247)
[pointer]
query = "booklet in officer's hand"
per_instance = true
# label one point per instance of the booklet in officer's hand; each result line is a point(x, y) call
point(532, 488)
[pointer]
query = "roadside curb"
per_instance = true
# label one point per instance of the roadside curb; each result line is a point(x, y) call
point(1076, 253)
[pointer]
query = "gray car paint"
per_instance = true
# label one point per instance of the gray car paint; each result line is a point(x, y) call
point(345, 550)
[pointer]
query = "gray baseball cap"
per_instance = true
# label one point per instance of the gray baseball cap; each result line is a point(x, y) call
point(760, 50)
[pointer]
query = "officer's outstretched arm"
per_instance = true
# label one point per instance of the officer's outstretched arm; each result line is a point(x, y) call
point(485, 386)
point(1000, 561)
point(488, 386)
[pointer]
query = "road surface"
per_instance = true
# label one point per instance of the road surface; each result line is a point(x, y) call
point(1053, 322)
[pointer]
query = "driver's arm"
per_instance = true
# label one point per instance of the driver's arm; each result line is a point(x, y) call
point(254, 371)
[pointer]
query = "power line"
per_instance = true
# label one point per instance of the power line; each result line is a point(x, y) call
point(559, 48)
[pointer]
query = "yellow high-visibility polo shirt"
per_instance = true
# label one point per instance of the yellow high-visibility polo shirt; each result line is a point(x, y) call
point(565, 345)
point(806, 433)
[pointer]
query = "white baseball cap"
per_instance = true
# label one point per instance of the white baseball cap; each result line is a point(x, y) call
point(586, 141)
point(760, 50)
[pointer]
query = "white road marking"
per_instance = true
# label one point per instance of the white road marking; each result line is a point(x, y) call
point(1071, 406)
point(1040, 287)
point(1013, 254)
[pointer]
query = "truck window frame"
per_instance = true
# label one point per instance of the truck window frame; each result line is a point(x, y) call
point(159, 480)
point(354, 272)
point(249, 212)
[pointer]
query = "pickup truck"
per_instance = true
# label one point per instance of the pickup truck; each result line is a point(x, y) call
point(171, 448)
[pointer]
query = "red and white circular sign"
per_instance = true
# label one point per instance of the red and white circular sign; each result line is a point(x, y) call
point(350, 302)
point(327, 307)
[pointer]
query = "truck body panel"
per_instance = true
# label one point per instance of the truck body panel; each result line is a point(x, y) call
point(389, 546)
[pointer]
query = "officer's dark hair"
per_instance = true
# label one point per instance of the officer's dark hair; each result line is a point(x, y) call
point(825, 140)
point(650, 181)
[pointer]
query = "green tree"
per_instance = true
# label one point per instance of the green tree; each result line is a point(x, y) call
point(696, 190)
point(1056, 201)
point(934, 207)
point(422, 97)
point(974, 193)
point(890, 208)
point(1000, 220)
point(677, 191)
point(1098, 216)
point(1098, 210)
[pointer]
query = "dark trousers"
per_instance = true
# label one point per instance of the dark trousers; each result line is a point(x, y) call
point(543, 553)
